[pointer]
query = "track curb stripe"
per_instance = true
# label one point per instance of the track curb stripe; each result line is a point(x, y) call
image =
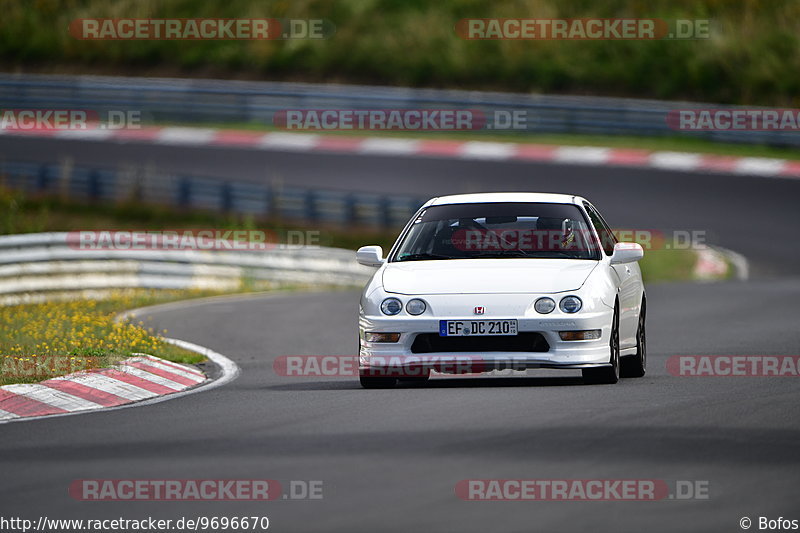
point(181, 370)
point(21, 406)
point(166, 374)
point(132, 376)
point(415, 147)
point(135, 379)
point(52, 397)
point(106, 399)
point(109, 385)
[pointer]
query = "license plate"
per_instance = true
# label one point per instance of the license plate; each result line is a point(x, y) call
point(453, 328)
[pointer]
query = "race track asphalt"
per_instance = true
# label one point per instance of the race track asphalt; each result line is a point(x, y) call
point(390, 460)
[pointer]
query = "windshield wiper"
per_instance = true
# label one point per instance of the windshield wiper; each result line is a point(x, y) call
point(521, 253)
point(422, 257)
point(501, 254)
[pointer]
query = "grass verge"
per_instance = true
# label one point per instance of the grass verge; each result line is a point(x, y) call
point(45, 340)
point(668, 265)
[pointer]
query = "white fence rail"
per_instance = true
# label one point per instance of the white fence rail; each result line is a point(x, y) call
point(49, 263)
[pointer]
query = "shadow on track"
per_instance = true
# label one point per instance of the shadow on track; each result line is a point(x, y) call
point(436, 383)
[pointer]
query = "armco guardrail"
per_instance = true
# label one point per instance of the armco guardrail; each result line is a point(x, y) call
point(311, 206)
point(50, 262)
point(217, 101)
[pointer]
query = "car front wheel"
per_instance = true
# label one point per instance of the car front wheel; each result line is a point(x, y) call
point(607, 374)
point(635, 366)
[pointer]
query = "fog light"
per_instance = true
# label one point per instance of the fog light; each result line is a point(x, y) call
point(584, 335)
point(375, 336)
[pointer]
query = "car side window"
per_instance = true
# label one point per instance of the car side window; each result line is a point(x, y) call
point(607, 239)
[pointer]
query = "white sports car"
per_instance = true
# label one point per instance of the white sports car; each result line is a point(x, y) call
point(497, 281)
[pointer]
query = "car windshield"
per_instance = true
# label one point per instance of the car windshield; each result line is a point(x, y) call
point(498, 230)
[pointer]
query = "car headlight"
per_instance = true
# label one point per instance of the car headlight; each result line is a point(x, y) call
point(570, 304)
point(544, 305)
point(391, 306)
point(416, 307)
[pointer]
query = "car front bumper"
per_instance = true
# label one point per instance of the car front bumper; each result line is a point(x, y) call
point(400, 357)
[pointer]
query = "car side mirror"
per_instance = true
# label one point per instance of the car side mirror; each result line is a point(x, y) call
point(626, 252)
point(371, 256)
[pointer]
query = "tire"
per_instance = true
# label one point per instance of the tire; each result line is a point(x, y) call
point(635, 366)
point(607, 375)
point(371, 382)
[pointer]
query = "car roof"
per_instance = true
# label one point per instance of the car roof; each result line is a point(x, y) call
point(501, 197)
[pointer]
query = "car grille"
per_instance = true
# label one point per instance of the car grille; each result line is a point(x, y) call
point(524, 342)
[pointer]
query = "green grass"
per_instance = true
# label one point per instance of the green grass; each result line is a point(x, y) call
point(750, 58)
point(668, 265)
point(45, 340)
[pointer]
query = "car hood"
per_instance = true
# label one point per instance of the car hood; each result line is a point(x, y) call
point(475, 276)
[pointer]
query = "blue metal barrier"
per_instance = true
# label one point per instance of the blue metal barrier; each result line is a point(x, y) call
point(192, 192)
